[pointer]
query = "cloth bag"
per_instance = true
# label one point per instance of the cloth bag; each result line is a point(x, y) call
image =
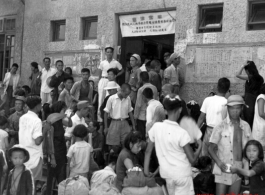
point(77, 185)
point(138, 179)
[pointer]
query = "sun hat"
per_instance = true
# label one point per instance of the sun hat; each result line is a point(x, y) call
point(235, 100)
point(54, 117)
point(82, 104)
point(173, 56)
point(19, 147)
point(137, 57)
point(111, 85)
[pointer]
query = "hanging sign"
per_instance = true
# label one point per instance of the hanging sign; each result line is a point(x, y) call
point(157, 23)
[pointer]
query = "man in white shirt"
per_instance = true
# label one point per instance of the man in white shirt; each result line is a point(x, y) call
point(31, 135)
point(119, 108)
point(214, 111)
point(46, 73)
point(155, 111)
point(103, 75)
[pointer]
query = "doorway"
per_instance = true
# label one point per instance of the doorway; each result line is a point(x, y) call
point(152, 46)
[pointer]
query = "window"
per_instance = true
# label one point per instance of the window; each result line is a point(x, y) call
point(256, 19)
point(58, 30)
point(90, 25)
point(2, 25)
point(211, 18)
point(10, 24)
point(9, 52)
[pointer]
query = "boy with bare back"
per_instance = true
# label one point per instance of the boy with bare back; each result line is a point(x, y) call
point(226, 145)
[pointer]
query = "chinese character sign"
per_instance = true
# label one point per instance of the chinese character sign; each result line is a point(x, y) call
point(158, 23)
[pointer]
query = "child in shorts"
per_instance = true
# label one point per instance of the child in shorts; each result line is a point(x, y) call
point(20, 179)
point(79, 153)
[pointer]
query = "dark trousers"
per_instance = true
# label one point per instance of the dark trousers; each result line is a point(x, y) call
point(141, 127)
point(59, 173)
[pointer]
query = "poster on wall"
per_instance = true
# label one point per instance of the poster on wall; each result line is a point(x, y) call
point(77, 60)
point(157, 23)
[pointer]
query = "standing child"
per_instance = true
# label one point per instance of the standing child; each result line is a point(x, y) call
point(253, 152)
point(79, 153)
point(3, 134)
point(174, 153)
point(20, 179)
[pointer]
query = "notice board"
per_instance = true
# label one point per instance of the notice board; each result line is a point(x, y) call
point(209, 63)
point(77, 60)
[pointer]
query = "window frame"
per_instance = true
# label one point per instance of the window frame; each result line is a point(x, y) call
point(5, 22)
point(85, 21)
point(202, 17)
point(252, 14)
point(55, 27)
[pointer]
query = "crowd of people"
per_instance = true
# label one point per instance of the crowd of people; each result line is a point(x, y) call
point(62, 127)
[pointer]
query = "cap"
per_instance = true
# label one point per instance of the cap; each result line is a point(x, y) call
point(173, 56)
point(52, 118)
point(82, 104)
point(137, 57)
point(19, 147)
point(109, 47)
point(22, 98)
point(235, 100)
point(111, 85)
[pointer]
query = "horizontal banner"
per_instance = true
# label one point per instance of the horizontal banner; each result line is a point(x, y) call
point(157, 23)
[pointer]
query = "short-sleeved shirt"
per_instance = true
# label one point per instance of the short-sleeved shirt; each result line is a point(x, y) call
point(257, 182)
point(215, 110)
point(30, 128)
point(172, 73)
point(169, 139)
point(105, 66)
point(80, 155)
point(45, 75)
point(3, 136)
point(222, 136)
point(117, 108)
point(140, 105)
point(66, 97)
point(121, 168)
point(76, 121)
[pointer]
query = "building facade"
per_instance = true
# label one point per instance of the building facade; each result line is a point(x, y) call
point(215, 37)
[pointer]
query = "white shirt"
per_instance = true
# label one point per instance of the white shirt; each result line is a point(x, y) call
point(169, 139)
point(30, 128)
point(3, 136)
point(76, 121)
point(150, 111)
point(143, 68)
point(105, 66)
point(117, 108)
point(45, 75)
point(258, 132)
point(80, 156)
point(191, 127)
point(215, 110)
